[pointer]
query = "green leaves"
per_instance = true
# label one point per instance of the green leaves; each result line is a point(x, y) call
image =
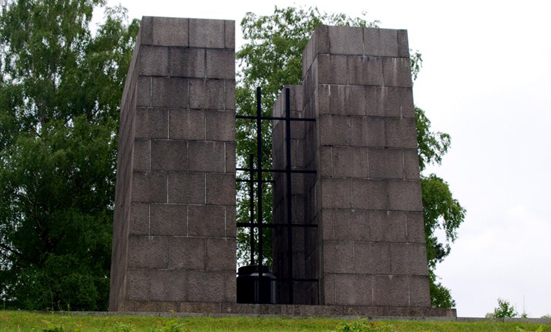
point(60, 90)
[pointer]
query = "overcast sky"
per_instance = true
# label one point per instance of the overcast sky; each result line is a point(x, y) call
point(486, 80)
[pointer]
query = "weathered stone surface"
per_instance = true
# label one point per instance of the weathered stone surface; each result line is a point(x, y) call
point(206, 156)
point(187, 125)
point(211, 286)
point(186, 253)
point(187, 188)
point(148, 252)
point(187, 62)
point(206, 33)
point(220, 189)
point(221, 63)
point(338, 257)
point(372, 257)
point(149, 187)
point(401, 133)
point(405, 195)
point(345, 40)
point(396, 72)
point(381, 42)
point(409, 258)
point(221, 254)
point(168, 219)
point(151, 123)
point(390, 290)
point(419, 293)
point(169, 155)
point(142, 154)
point(388, 226)
point(206, 221)
point(331, 69)
point(139, 219)
point(137, 284)
point(415, 227)
point(168, 31)
point(385, 164)
point(350, 162)
point(364, 70)
point(220, 126)
point(153, 61)
point(207, 94)
point(167, 285)
point(169, 92)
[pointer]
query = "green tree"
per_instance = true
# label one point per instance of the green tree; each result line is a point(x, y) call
point(504, 309)
point(60, 90)
point(272, 58)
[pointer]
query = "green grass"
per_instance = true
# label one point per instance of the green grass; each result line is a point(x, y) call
point(26, 321)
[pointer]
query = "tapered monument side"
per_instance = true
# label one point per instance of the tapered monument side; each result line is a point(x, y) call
point(174, 228)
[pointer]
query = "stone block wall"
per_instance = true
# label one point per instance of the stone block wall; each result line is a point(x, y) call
point(174, 228)
point(369, 248)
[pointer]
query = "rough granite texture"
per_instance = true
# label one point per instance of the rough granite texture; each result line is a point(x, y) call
point(174, 228)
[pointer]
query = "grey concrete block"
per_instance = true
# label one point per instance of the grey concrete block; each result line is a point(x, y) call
point(187, 188)
point(153, 61)
point(143, 91)
point(388, 226)
point(170, 31)
point(187, 62)
point(363, 70)
point(221, 254)
point(390, 291)
point(207, 94)
point(341, 100)
point(331, 69)
point(381, 42)
point(403, 45)
point(137, 284)
point(148, 252)
point(349, 162)
point(353, 289)
point(397, 72)
point(415, 227)
point(145, 35)
point(372, 132)
point(169, 92)
point(411, 164)
point(345, 40)
point(230, 34)
point(338, 257)
point(139, 219)
point(169, 155)
point(221, 189)
point(335, 193)
point(206, 33)
point(419, 292)
point(211, 286)
point(206, 221)
point(149, 187)
point(229, 87)
point(372, 258)
point(220, 126)
point(168, 285)
point(348, 224)
point(369, 194)
point(231, 227)
point(385, 164)
point(186, 253)
point(221, 63)
point(405, 195)
point(151, 123)
point(142, 154)
point(189, 125)
point(168, 219)
point(206, 156)
point(390, 101)
point(409, 258)
point(230, 157)
point(401, 133)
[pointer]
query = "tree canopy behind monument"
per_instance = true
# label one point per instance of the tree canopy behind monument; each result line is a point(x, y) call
point(60, 90)
point(272, 58)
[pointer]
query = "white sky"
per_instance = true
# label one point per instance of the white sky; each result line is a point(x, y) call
point(486, 81)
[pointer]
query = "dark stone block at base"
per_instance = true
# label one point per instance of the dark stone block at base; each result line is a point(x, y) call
point(221, 308)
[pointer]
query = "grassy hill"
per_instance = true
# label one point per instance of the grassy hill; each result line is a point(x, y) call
point(26, 321)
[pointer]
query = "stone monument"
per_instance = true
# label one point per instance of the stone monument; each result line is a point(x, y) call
point(174, 244)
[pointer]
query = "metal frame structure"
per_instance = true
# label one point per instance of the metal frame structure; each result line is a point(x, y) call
point(259, 171)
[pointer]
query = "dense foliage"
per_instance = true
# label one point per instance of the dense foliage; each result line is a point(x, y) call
point(60, 90)
point(270, 59)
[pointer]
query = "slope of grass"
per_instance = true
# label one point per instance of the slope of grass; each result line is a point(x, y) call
point(25, 321)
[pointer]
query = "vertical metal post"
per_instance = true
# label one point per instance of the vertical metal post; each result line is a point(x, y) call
point(251, 203)
point(289, 188)
point(259, 187)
